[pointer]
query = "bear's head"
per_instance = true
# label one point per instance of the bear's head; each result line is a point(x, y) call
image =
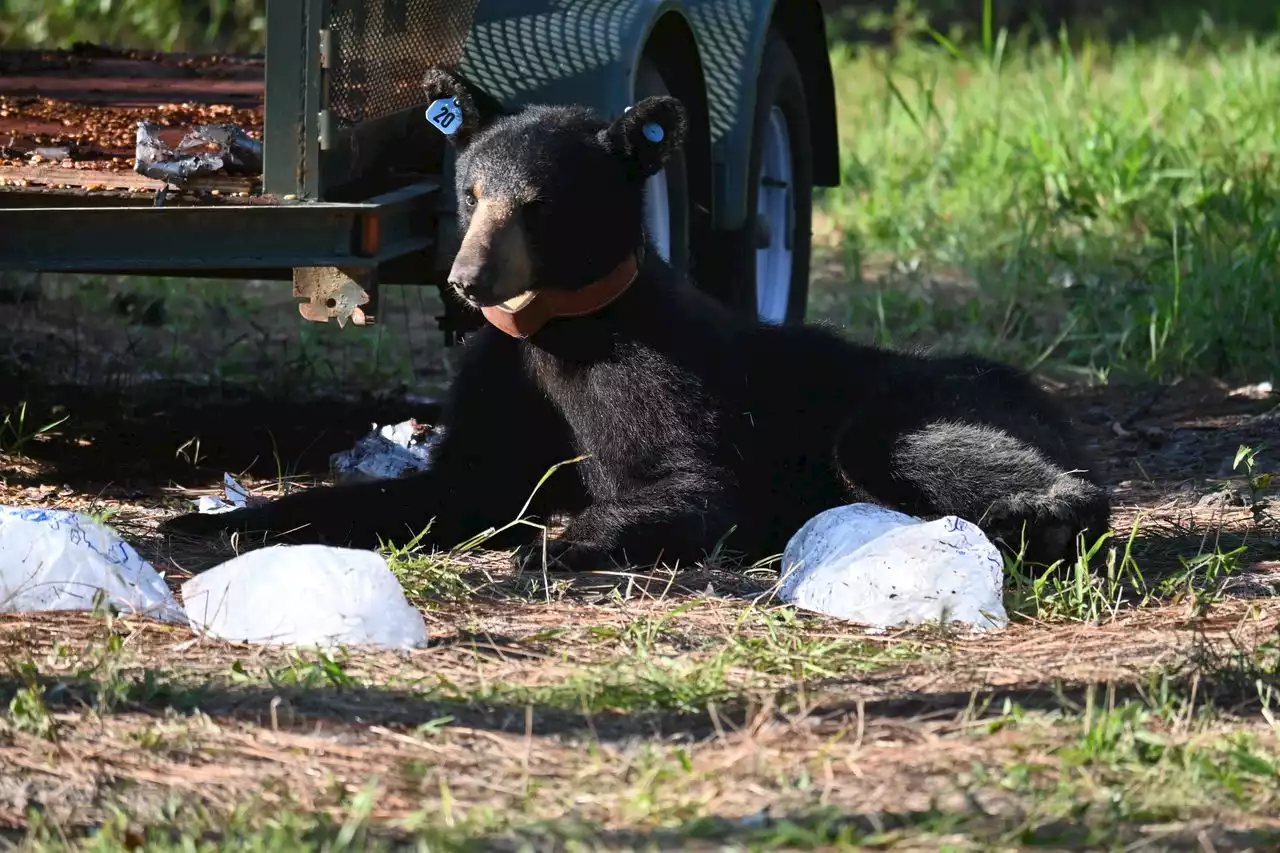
point(550, 198)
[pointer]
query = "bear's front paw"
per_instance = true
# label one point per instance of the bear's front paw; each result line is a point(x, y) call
point(561, 556)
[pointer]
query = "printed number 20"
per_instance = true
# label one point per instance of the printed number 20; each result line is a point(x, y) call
point(444, 117)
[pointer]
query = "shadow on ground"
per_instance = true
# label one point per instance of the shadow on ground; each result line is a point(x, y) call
point(146, 438)
point(1166, 451)
point(1224, 678)
point(815, 830)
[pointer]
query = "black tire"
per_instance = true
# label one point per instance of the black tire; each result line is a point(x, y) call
point(779, 84)
point(650, 82)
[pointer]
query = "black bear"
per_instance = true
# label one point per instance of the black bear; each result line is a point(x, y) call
point(697, 428)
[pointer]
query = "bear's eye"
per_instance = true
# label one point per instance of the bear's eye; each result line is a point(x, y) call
point(470, 198)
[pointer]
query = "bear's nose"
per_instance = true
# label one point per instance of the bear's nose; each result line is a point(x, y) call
point(473, 281)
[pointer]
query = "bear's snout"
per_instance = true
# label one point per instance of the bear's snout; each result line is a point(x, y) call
point(493, 262)
point(473, 280)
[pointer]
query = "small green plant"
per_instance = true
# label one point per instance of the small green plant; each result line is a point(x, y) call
point(1079, 592)
point(27, 709)
point(643, 635)
point(1201, 579)
point(1258, 482)
point(783, 644)
point(314, 669)
point(104, 675)
point(102, 514)
point(16, 433)
point(432, 576)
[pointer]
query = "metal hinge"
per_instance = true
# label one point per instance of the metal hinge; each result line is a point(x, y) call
point(326, 48)
point(325, 129)
point(325, 123)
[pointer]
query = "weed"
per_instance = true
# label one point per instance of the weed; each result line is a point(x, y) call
point(312, 670)
point(27, 709)
point(1100, 582)
point(16, 433)
point(787, 647)
point(1081, 592)
point(428, 578)
point(1258, 482)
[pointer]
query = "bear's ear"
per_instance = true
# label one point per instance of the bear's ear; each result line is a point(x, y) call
point(455, 107)
point(647, 134)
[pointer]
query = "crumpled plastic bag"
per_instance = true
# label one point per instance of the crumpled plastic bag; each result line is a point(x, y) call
point(869, 564)
point(54, 559)
point(312, 595)
point(387, 452)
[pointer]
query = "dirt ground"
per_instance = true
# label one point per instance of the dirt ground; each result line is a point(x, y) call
point(634, 703)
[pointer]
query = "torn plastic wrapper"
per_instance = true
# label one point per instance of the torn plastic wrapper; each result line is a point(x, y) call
point(238, 497)
point(236, 152)
point(239, 149)
point(387, 453)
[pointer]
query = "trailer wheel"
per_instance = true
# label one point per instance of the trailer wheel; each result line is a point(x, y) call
point(781, 200)
point(766, 262)
point(666, 197)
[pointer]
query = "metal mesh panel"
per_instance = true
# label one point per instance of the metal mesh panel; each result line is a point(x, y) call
point(383, 47)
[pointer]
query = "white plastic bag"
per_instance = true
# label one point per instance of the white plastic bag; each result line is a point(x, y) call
point(55, 559)
point(387, 452)
point(310, 595)
point(872, 565)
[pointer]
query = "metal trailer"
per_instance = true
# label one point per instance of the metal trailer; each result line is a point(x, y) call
point(355, 189)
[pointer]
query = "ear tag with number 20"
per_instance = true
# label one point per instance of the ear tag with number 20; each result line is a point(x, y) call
point(446, 115)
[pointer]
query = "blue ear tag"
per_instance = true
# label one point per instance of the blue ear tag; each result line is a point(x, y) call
point(446, 115)
point(653, 132)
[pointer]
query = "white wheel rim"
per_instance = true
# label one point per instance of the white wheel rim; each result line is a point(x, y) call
point(774, 187)
point(657, 214)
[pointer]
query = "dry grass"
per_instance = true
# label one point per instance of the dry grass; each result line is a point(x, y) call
point(522, 712)
point(641, 709)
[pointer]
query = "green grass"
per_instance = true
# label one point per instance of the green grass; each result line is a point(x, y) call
point(1122, 570)
point(1109, 766)
point(185, 25)
point(1109, 208)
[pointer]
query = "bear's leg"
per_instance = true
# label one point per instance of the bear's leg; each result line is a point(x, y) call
point(982, 474)
point(677, 519)
point(501, 436)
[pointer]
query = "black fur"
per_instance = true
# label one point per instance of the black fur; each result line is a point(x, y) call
point(696, 422)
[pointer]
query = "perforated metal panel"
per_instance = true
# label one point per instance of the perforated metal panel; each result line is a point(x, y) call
point(382, 48)
point(724, 30)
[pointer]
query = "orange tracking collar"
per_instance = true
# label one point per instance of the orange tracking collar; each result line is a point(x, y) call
point(525, 314)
